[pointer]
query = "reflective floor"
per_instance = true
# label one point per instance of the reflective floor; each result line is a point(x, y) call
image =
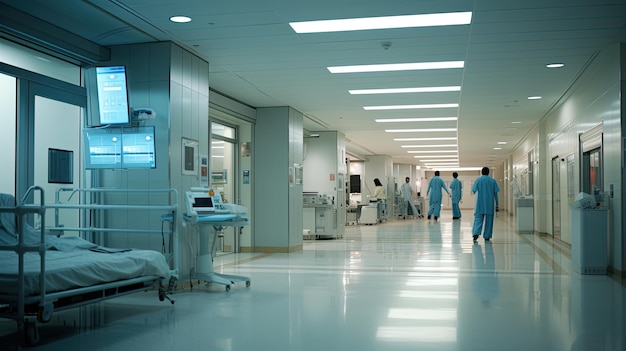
point(408, 284)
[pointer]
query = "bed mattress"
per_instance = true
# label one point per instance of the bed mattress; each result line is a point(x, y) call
point(79, 268)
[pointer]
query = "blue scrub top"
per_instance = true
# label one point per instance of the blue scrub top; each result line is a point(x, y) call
point(487, 198)
point(457, 190)
point(436, 184)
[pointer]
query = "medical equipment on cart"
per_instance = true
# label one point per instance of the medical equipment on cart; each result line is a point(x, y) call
point(206, 209)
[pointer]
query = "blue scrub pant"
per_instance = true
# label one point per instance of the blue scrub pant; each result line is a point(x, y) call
point(434, 208)
point(456, 211)
point(487, 219)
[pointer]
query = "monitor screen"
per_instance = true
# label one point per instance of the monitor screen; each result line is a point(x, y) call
point(119, 147)
point(138, 148)
point(108, 95)
point(103, 148)
point(60, 166)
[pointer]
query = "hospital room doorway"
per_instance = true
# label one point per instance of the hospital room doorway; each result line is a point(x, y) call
point(222, 170)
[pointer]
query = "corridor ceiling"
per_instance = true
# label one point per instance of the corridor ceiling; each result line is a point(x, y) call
point(257, 58)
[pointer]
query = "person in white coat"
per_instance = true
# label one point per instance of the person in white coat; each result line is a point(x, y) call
point(407, 194)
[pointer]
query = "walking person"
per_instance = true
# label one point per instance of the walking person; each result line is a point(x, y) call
point(435, 187)
point(407, 194)
point(456, 187)
point(486, 204)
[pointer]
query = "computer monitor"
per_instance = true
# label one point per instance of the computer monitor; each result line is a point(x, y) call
point(107, 91)
point(119, 148)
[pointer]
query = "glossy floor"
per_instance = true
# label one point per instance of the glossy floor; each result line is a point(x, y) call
point(408, 284)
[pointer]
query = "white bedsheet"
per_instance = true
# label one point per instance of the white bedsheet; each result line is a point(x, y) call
point(79, 268)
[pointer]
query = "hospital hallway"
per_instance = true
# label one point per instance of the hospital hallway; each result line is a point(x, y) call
point(409, 284)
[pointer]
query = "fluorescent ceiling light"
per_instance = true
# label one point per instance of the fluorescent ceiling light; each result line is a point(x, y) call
point(405, 90)
point(425, 139)
point(436, 156)
point(515, 122)
point(431, 165)
point(502, 142)
point(180, 19)
point(497, 148)
point(459, 168)
point(555, 65)
point(384, 22)
point(439, 160)
point(409, 107)
point(427, 119)
point(443, 145)
point(424, 130)
point(413, 66)
point(432, 151)
point(536, 97)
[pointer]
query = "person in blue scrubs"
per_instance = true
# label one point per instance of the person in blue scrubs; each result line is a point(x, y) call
point(456, 187)
point(435, 186)
point(486, 204)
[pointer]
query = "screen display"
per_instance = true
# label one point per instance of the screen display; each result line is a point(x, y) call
point(112, 95)
point(121, 147)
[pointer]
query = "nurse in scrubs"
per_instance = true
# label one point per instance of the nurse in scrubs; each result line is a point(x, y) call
point(486, 204)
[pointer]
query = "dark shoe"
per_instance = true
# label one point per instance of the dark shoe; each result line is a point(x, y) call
point(487, 239)
point(435, 218)
point(428, 216)
point(456, 217)
point(475, 237)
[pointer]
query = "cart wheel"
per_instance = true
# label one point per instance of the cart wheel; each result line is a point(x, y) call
point(161, 297)
point(31, 333)
point(172, 302)
point(247, 283)
point(227, 287)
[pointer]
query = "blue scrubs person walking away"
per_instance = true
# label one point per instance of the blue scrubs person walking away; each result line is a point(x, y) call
point(435, 186)
point(456, 187)
point(486, 203)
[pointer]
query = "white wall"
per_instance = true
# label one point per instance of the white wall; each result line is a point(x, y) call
point(8, 110)
point(595, 98)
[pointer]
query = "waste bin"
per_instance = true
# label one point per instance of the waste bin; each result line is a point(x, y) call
point(589, 240)
point(525, 214)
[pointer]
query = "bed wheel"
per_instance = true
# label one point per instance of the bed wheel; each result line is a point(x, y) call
point(161, 297)
point(44, 314)
point(31, 333)
point(247, 283)
point(227, 287)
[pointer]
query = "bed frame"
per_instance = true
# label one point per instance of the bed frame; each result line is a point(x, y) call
point(27, 310)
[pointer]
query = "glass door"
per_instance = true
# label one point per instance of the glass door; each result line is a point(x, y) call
point(222, 171)
point(556, 198)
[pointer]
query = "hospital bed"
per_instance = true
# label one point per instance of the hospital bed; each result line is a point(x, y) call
point(207, 214)
point(42, 272)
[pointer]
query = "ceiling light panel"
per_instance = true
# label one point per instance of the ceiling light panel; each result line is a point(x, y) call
point(384, 22)
point(425, 139)
point(426, 119)
point(432, 151)
point(424, 130)
point(405, 90)
point(420, 146)
point(409, 107)
point(413, 66)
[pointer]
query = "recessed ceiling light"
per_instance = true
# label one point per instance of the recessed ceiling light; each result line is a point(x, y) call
point(435, 156)
point(405, 90)
point(425, 139)
point(555, 65)
point(409, 107)
point(180, 19)
point(397, 67)
point(417, 146)
point(385, 22)
point(536, 97)
point(502, 142)
point(424, 130)
point(497, 148)
point(427, 119)
point(432, 151)
point(438, 160)
point(515, 122)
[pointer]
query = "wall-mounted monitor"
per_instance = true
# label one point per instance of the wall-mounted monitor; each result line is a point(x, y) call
point(60, 166)
point(119, 148)
point(355, 183)
point(107, 92)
